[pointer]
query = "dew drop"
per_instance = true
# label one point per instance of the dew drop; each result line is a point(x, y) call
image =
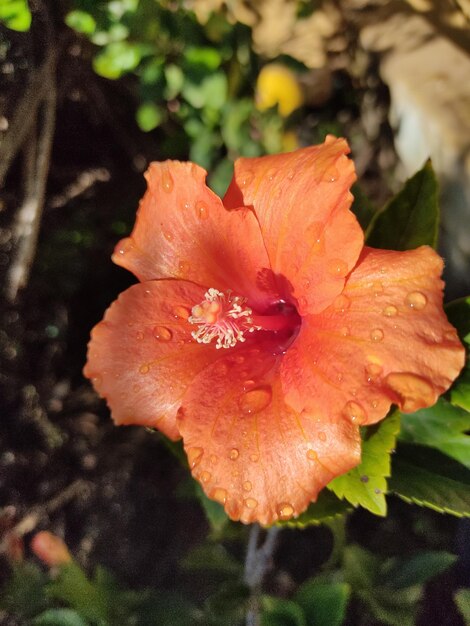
point(341, 303)
point(194, 456)
point(314, 235)
point(136, 387)
point(322, 436)
point(247, 178)
point(139, 335)
point(234, 454)
point(168, 236)
point(416, 300)
point(126, 246)
point(338, 268)
point(181, 312)
point(255, 400)
point(96, 380)
point(254, 458)
point(205, 476)
point(390, 311)
point(186, 205)
point(251, 503)
point(290, 174)
point(331, 174)
point(285, 511)
point(144, 369)
point(248, 384)
point(344, 331)
point(415, 392)
point(271, 174)
point(202, 212)
point(449, 335)
point(183, 267)
point(167, 181)
point(355, 412)
point(312, 455)
point(213, 459)
point(220, 495)
point(376, 335)
point(247, 486)
point(161, 333)
point(373, 370)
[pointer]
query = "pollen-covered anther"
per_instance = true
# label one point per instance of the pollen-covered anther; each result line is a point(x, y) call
point(221, 317)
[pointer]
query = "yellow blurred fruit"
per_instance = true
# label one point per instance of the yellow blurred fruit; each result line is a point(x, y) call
point(278, 85)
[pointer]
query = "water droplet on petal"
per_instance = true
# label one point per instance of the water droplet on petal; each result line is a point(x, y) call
point(168, 236)
point(162, 334)
point(312, 455)
point(341, 303)
point(415, 392)
point(234, 454)
point(285, 510)
point(254, 458)
point(136, 387)
point(181, 312)
point(331, 174)
point(416, 300)
point(373, 370)
point(144, 369)
point(271, 174)
point(202, 211)
point(247, 486)
point(205, 476)
point(344, 331)
point(167, 181)
point(376, 335)
point(255, 400)
point(248, 384)
point(194, 456)
point(322, 436)
point(355, 412)
point(390, 311)
point(251, 503)
point(139, 335)
point(314, 236)
point(220, 495)
point(96, 380)
point(450, 335)
point(125, 246)
point(338, 268)
point(183, 267)
point(247, 177)
point(213, 459)
point(290, 174)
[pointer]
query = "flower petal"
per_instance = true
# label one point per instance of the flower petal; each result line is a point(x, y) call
point(384, 339)
point(183, 231)
point(253, 453)
point(302, 201)
point(141, 357)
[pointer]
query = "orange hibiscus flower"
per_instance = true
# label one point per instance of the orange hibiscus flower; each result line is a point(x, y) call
point(264, 333)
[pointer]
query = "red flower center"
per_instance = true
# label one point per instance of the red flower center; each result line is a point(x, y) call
point(226, 319)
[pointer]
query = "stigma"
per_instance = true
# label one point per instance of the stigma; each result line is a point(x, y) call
point(223, 318)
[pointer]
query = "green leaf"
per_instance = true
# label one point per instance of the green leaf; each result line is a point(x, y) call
point(149, 116)
point(212, 557)
point(327, 507)
point(324, 604)
point(426, 477)
point(462, 600)
point(15, 14)
point(362, 207)
point(81, 21)
point(59, 617)
point(116, 59)
point(411, 219)
point(23, 594)
point(363, 571)
point(366, 484)
point(458, 313)
point(400, 572)
point(278, 612)
point(209, 58)
point(229, 602)
point(442, 427)
point(210, 92)
point(174, 81)
point(214, 511)
point(74, 589)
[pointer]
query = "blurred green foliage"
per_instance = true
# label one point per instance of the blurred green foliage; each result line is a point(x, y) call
point(15, 14)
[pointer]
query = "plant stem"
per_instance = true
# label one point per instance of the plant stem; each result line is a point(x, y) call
point(257, 563)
